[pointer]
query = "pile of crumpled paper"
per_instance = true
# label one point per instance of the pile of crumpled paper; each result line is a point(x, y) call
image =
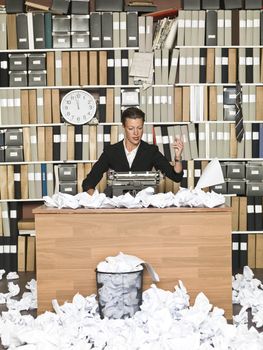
point(166, 321)
point(144, 199)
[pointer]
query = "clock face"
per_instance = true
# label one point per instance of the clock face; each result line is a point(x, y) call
point(78, 107)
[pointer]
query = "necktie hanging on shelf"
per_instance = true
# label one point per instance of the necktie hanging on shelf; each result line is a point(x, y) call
point(239, 114)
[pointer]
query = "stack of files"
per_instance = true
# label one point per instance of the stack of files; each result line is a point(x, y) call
point(61, 25)
point(18, 70)
point(8, 236)
point(67, 178)
point(13, 145)
point(80, 35)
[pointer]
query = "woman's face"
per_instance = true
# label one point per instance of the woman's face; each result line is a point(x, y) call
point(133, 130)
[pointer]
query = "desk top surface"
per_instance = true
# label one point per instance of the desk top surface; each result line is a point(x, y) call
point(43, 209)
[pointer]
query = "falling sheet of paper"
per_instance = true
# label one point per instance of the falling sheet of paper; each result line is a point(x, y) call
point(212, 175)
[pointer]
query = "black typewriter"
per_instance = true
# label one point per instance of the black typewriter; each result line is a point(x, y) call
point(119, 183)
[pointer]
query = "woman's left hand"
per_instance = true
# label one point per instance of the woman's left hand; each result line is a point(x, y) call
point(178, 146)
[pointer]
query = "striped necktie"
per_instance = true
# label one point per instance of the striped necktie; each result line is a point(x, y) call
point(239, 114)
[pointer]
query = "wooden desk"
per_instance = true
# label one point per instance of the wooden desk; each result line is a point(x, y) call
point(191, 244)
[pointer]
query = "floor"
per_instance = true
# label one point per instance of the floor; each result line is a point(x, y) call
point(27, 276)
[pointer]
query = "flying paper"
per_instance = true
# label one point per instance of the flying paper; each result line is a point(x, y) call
point(212, 175)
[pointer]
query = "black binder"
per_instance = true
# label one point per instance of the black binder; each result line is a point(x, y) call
point(184, 182)
point(13, 215)
point(211, 28)
point(249, 65)
point(255, 140)
point(224, 65)
point(250, 213)
point(106, 135)
point(203, 55)
point(166, 144)
point(110, 68)
point(4, 66)
point(22, 31)
point(56, 142)
point(78, 142)
point(124, 67)
point(235, 252)
point(243, 250)
point(102, 105)
point(197, 171)
point(95, 29)
point(39, 30)
point(258, 214)
point(17, 181)
point(132, 29)
point(107, 29)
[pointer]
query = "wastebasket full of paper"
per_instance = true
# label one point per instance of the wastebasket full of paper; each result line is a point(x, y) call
point(119, 285)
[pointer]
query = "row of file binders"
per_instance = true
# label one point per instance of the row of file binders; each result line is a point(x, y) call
point(219, 65)
point(220, 28)
point(68, 142)
point(42, 30)
point(160, 104)
point(36, 30)
point(91, 67)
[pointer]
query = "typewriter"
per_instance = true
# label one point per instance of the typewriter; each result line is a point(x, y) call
point(119, 183)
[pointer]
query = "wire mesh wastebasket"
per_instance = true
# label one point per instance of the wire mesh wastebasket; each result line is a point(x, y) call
point(119, 294)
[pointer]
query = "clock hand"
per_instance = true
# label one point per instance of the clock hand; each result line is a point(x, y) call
point(77, 103)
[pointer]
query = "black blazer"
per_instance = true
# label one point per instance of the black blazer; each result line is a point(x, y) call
point(114, 157)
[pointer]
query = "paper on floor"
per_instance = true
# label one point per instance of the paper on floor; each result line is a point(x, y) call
point(166, 321)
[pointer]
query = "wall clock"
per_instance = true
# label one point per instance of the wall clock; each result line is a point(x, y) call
point(78, 107)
